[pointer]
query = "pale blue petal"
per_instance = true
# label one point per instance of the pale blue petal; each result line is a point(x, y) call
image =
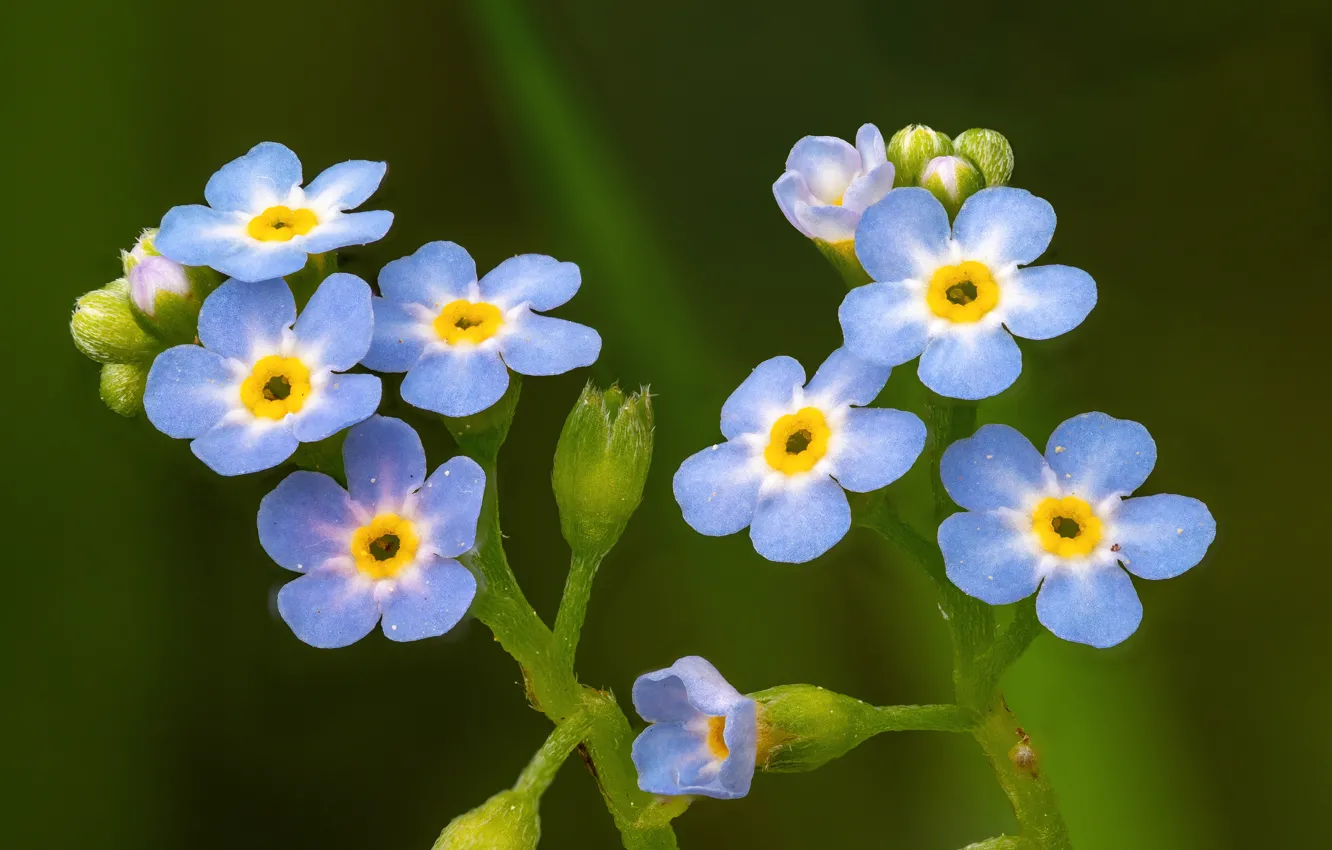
point(972, 365)
point(845, 378)
point(1163, 536)
point(253, 260)
point(869, 188)
point(358, 228)
point(305, 521)
point(878, 446)
point(328, 608)
point(897, 234)
point(347, 185)
point(429, 601)
point(385, 462)
point(1046, 301)
point(662, 753)
point(767, 392)
point(438, 273)
point(716, 489)
point(543, 345)
point(198, 236)
point(996, 468)
point(188, 392)
point(741, 737)
point(796, 524)
point(341, 403)
point(254, 182)
point(827, 163)
point(337, 323)
point(1094, 455)
point(239, 448)
point(880, 324)
point(240, 315)
point(398, 339)
point(870, 145)
point(1005, 225)
point(544, 282)
point(456, 382)
point(789, 189)
point(1099, 607)
point(689, 687)
point(831, 224)
point(988, 558)
point(450, 505)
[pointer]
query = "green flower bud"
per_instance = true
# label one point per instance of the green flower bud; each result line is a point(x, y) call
point(104, 328)
point(601, 464)
point(803, 727)
point(165, 295)
point(952, 180)
point(911, 148)
point(122, 387)
point(842, 256)
point(990, 151)
point(507, 821)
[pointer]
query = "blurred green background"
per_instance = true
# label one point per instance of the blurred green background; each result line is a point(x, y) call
point(153, 699)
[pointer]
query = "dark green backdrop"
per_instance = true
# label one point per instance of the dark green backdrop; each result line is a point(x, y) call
point(154, 700)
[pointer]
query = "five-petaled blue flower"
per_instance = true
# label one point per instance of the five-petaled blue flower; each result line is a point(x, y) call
point(946, 295)
point(385, 547)
point(828, 183)
point(1064, 523)
point(259, 385)
point(457, 338)
point(704, 734)
point(790, 451)
point(260, 223)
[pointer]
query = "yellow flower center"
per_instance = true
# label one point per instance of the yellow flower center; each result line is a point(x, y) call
point(277, 386)
point(384, 546)
point(716, 737)
point(468, 321)
point(1066, 527)
point(962, 293)
point(280, 224)
point(798, 441)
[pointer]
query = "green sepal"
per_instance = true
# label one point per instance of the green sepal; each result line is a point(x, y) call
point(507, 821)
point(481, 434)
point(105, 329)
point(911, 148)
point(304, 282)
point(122, 386)
point(842, 257)
point(952, 179)
point(803, 727)
point(991, 153)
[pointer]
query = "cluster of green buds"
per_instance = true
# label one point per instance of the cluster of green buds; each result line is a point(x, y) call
point(128, 322)
point(951, 169)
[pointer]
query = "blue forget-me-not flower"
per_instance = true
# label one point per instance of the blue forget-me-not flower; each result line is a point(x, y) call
point(828, 183)
point(261, 223)
point(457, 337)
point(790, 451)
point(704, 734)
point(946, 294)
point(265, 381)
point(382, 548)
point(1065, 523)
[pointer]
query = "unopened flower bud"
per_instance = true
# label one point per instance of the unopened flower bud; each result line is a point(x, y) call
point(122, 387)
point(104, 327)
point(166, 294)
point(911, 148)
point(952, 180)
point(601, 465)
point(803, 727)
point(507, 821)
point(991, 153)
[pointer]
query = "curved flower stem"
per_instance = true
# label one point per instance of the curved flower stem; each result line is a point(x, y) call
point(573, 607)
point(541, 770)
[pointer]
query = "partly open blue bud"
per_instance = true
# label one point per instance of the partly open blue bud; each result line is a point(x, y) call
point(165, 294)
point(507, 821)
point(911, 148)
point(952, 180)
point(990, 152)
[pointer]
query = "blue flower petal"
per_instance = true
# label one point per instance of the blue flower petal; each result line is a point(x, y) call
point(827, 163)
point(897, 233)
point(1046, 301)
point(788, 189)
point(741, 737)
point(544, 282)
point(1094, 455)
point(829, 223)
point(438, 273)
point(254, 182)
point(305, 521)
point(878, 446)
point(845, 378)
point(1163, 536)
point(450, 504)
point(665, 751)
point(716, 489)
point(335, 327)
point(341, 403)
point(971, 365)
point(399, 337)
point(689, 687)
point(189, 390)
point(456, 382)
point(385, 461)
point(766, 393)
point(799, 523)
point(869, 188)
point(870, 145)
point(239, 448)
point(240, 316)
point(360, 228)
point(1099, 607)
point(1004, 225)
point(195, 235)
point(996, 468)
point(988, 558)
point(329, 607)
point(543, 345)
point(882, 323)
point(429, 601)
point(347, 185)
